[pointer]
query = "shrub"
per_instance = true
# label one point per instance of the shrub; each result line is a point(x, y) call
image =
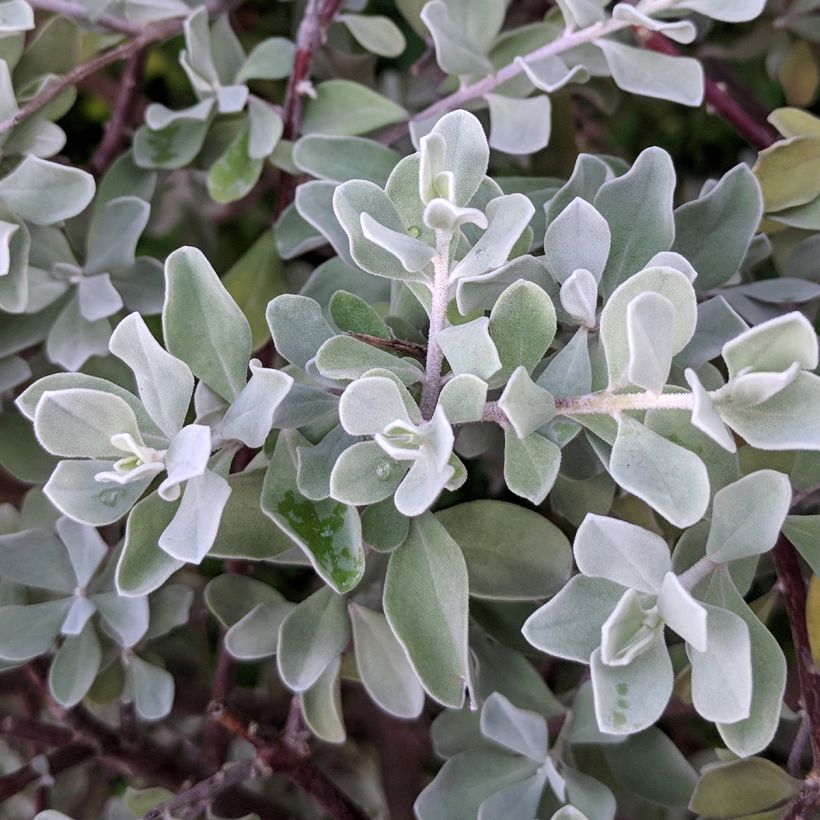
point(480, 483)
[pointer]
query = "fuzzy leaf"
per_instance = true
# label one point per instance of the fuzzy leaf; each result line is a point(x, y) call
point(555, 628)
point(348, 108)
point(512, 553)
point(642, 556)
point(522, 325)
point(383, 666)
point(426, 601)
point(722, 673)
point(203, 325)
point(651, 74)
point(747, 516)
point(165, 383)
point(632, 697)
point(638, 208)
point(328, 532)
point(530, 465)
point(669, 478)
point(714, 232)
point(310, 637)
point(519, 126)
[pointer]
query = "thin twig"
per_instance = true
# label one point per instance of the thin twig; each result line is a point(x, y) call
point(807, 802)
point(805, 805)
point(205, 791)
point(116, 128)
point(72, 754)
point(795, 596)
point(215, 739)
point(756, 133)
point(146, 759)
point(151, 33)
point(400, 346)
point(798, 747)
point(799, 496)
point(33, 731)
point(487, 84)
point(290, 755)
point(310, 36)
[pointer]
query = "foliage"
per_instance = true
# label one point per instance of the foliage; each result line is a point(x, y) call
point(482, 433)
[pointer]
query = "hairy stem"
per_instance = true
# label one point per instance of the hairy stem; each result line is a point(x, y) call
point(438, 320)
point(568, 41)
point(604, 404)
point(612, 404)
point(697, 572)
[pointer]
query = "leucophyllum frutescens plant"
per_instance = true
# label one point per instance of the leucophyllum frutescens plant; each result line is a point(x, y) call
point(589, 365)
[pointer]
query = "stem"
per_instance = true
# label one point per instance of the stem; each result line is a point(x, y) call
point(697, 572)
point(492, 412)
point(290, 755)
point(399, 346)
point(794, 593)
point(311, 35)
point(487, 84)
point(115, 130)
point(438, 320)
point(72, 754)
point(215, 739)
point(603, 403)
point(42, 734)
point(798, 747)
point(807, 801)
point(203, 793)
point(613, 404)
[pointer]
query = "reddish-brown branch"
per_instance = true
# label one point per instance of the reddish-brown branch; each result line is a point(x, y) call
point(58, 761)
point(311, 35)
point(152, 33)
point(290, 755)
point(215, 739)
point(147, 759)
point(204, 793)
point(793, 585)
point(794, 593)
point(756, 133)
point(122, 115)
point(33, 731)
point(399, 346)
point(807, 802)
